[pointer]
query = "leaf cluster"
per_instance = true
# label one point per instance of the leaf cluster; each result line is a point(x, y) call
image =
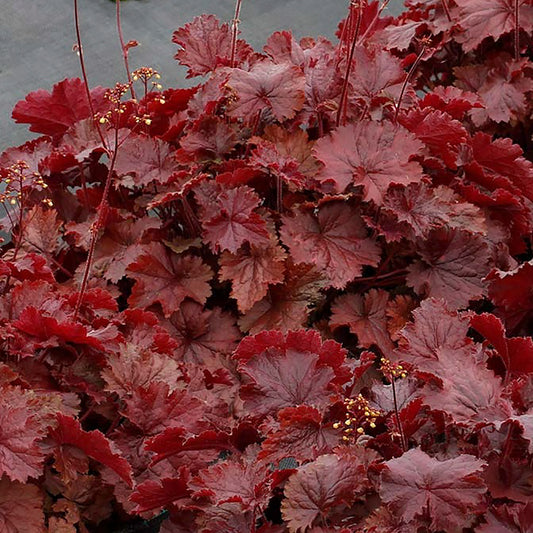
point(296, 297)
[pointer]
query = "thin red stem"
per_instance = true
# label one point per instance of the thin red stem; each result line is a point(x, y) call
point(98, 224)
point(18, 243)
point(374, 20)
point(84, 74)
point(192, 220)
point(255, 127)
point(124, 49)
point(279, 194)
point(235, 31)
point(414, 66)
point(446, 9)
point(516, 32)
point(320, 124)
point(343, 103)
point(397, 414)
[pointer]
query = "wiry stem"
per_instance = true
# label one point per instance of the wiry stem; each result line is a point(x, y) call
point(124, 49)
point(342, 104)
point(398, 421)
point(97, 226)
point(516, 31)
point(407, 78)
point(235, 31)
point(191, 217)
point(279, 194)
point(374, 20)
point(446, 9)
point(84, 73)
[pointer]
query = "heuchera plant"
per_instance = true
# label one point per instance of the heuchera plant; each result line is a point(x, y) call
point(295, 297)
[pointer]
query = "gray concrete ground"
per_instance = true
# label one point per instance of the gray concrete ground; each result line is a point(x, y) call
point(36, 39)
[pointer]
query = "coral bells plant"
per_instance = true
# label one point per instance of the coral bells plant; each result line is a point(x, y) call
point(295, 297)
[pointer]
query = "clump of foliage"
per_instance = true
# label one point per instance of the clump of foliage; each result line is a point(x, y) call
point(295, 297)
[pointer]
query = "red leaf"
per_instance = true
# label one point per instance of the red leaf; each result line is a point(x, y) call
point(366, 317)
point(452, 100)
point(47, 331)
point(500, 158)
point(267, 157)
point(276, 87)
point(369, 154)
point(424, 208)
point(286, 305)
point(151, 495)
point(33, 153)
point(30, 267)
point(450, 491)
point(120, 246)
point(377, 76)
point(399, 313)
point(144, 160)
point(21, 507)
point(41, 231)
point(167, 278)
point(335, 240)
point(501, 85)
point(490, 18)
point(53, 113)
point(437, 343)
point(287, 371)
point(202, 334)
point(135, 366)
point(20, 431)
point(512, 293)
point(154, 408)
point(302, 434)
point(206, 45)
point(508, 518)
point(94, 443)
point(251, 271)
point(453, 266)
point(442, 135)
point(209, 139)
point(174, 440)
point(236, 222)
point(246, 482)
point(516, 352)
point(318, 487)
point(282, 47)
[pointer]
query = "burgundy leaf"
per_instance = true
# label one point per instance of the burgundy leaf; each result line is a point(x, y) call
point(490, 18)
point(303, 434)
point(53, 113)
point(335, 240)
point(168, 279)
point(94, 443)
point(287, 371)
point(236, 222)
point(205, 45)
point(278, 88)
point(371, 155)
point(319, 486)
point(286, 305)
point(366, 316)
point(246, 482)
point(449, 491)
point(453, 266)
point(151, 495)
point(251, 271)
point(21, 507)
point(142, 160)
point(202, 334)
